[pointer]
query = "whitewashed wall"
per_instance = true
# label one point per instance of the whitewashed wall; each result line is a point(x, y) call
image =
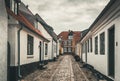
point(3, 41)
point(117, 51)
point(24, 58)
point(100, 62)
point(47, 35)
point(77, 50)
point(58, 47)
point(54, 49)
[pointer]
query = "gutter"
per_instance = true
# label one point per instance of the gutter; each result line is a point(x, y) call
point(18, 36)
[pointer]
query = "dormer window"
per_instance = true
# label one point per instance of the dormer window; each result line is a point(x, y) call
point(13, 5)
point(70, 35)
point(36, 24)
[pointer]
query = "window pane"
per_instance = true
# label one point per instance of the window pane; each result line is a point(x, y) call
point(102, 43)
point(30, 45)
point(46, 49)
point(96, 45)
point(90, 44)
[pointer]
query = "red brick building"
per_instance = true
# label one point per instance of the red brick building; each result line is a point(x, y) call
point(68, 40)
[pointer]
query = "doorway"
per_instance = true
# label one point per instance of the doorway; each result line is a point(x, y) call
point(40, 46)
point(111, 52)
point(86, 52)
point(8, 61)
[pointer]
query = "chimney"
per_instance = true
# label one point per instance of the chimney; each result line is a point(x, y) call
point(27, 6)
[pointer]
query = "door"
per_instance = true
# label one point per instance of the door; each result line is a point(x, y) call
point(8, 62)
point(40, 46)
point(111, 52)
point(86, 52)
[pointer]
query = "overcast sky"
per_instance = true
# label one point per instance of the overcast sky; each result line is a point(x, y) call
point(63, 15)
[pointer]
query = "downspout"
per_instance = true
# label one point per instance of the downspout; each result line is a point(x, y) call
point(18, 35)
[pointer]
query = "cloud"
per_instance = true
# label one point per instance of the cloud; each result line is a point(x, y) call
point(67, 14)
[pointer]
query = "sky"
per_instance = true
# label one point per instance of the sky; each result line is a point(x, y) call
point(64, 15)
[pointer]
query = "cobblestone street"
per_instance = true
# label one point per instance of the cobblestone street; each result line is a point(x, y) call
point(64, 72)
point(64, 69)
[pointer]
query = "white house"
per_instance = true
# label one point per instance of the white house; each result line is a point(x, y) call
point(28, 46)
point(3, 41)
point(100, 45)
point(50, 35)
point(78, 49)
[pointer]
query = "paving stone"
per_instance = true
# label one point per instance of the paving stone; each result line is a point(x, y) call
point(64, 69)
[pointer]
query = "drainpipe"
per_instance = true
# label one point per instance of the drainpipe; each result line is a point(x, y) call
point(18, 35)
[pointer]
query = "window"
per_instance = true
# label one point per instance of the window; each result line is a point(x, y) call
point(65, 42)
point(96, 45)
point(70, 37)
point(36, 24)
point(65, 49)
point(15, 8)
point(46, 49)
point(69, 49)
point(102, 43)
point(90, 44)
point(7, 2)
point(69, 42)
point(30, 45)
point(13, 5)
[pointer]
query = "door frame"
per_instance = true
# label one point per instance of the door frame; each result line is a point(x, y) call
point(8, 61)
point(111, 28)
point(40, 50)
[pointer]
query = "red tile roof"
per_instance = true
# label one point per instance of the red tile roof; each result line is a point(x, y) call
point(76, 35)
point(63, 35)
point(22, 19)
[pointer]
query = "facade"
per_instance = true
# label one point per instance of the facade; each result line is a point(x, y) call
point(3, 41)
point(68, 40)
point(100, 45)
point(78, 49)
point(49, 34)
point(27, 45)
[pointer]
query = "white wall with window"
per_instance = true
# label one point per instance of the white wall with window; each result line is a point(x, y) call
point(29, 46)
point(49, 37)
point(99, 55)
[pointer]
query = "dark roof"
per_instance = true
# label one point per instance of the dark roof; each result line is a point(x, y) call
point(27, 13)
point(83, 33)
point(48, 28)
point(25, 22)
point(100, 15)
point(39, 18)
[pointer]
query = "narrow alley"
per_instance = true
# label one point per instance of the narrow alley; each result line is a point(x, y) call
point(59, 40)
point(64, 69)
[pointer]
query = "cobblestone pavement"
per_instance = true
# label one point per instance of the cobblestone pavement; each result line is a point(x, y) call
point(43, 75)
point(64, 69)
point(64, 72)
